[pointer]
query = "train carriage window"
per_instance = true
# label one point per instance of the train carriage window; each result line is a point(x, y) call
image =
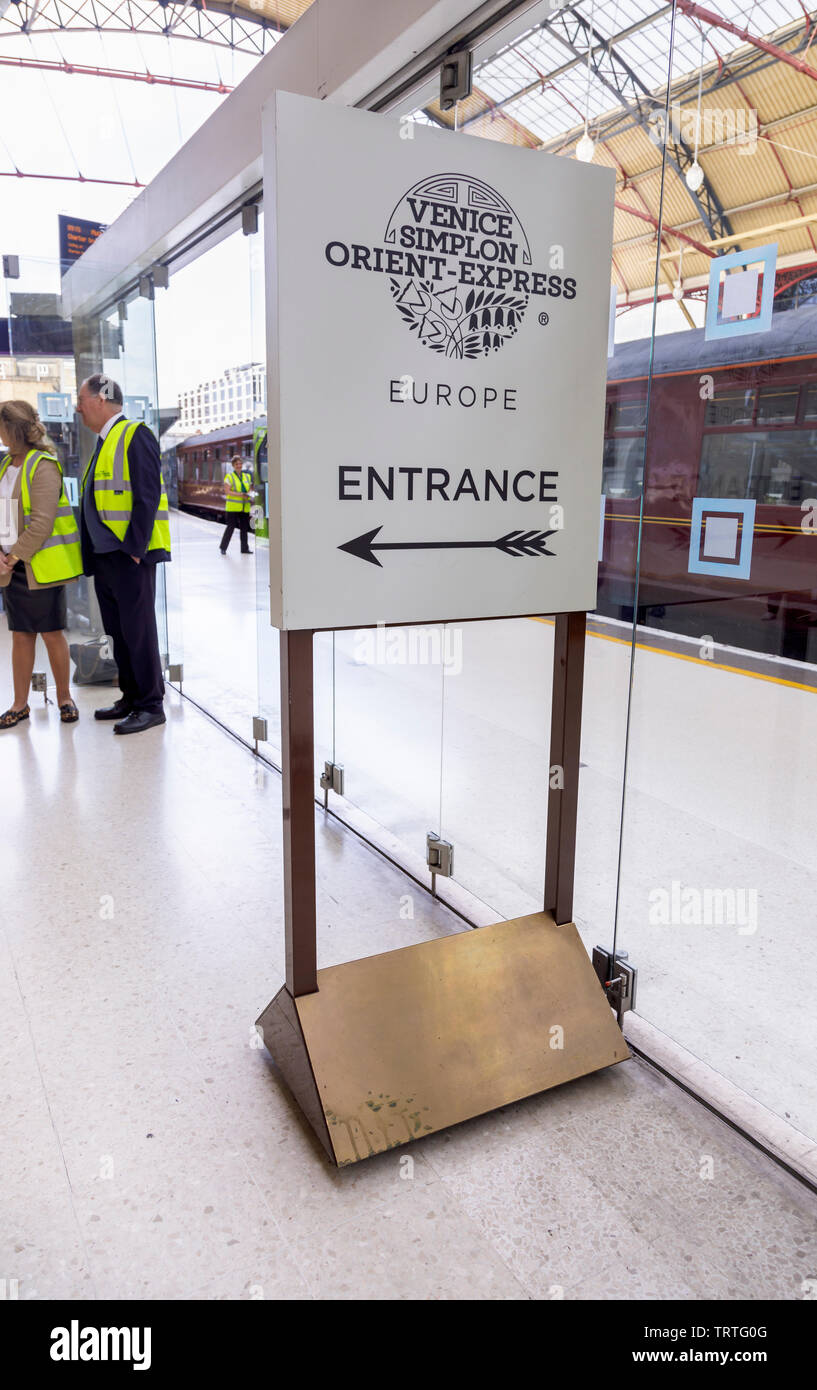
point(777, 404)
point(623, 467)
point(810, 403)
point(629, 413)
point(733, 407)
point(776, 467)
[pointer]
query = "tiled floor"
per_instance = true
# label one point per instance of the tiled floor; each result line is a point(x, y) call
point(150, 1148)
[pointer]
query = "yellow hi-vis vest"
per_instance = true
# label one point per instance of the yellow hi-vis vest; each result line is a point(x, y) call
point(238, 491)
point(112, 489)
point(60, 557)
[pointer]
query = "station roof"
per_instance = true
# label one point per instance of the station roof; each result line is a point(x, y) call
point(607, 63)
point(611, 68)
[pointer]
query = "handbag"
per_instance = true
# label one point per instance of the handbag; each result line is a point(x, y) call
point(93, 665)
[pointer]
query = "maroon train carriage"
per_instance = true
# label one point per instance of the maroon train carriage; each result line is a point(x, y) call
point(202, 462)
point(734, 417)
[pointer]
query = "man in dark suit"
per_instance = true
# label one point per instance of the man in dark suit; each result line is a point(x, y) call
point(125, 533)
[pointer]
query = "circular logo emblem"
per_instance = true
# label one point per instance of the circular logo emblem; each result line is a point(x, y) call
point(463, 287)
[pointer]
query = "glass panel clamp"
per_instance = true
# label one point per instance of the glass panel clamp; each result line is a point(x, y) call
point(439, 858)
point(332, 780)
point(617, 980)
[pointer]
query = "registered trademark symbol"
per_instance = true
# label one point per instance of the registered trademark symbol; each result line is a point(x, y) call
point(543, 318)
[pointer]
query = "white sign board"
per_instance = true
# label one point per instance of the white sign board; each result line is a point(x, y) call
point(438, 322)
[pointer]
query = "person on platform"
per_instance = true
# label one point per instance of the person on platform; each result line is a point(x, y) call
point(39, 555)
point(125, 530)
point(238, 494)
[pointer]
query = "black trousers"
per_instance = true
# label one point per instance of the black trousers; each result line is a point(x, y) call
point(127, 595)
point(242, 521)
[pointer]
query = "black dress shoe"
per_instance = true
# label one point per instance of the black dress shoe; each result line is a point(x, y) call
point(138, 720)
point(115, 711)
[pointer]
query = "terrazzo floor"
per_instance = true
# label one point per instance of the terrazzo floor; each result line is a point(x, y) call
point(151, 1149)
point(719, 795)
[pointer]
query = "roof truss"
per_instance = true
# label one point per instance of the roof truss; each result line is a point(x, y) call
point(218, 24)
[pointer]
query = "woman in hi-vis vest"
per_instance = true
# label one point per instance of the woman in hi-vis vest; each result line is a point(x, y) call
point(39, 554)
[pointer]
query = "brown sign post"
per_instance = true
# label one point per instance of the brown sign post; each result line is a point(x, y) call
point(437, 324)
point(386, 1049)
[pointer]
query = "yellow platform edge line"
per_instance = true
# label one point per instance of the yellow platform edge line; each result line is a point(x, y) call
point(696, 660)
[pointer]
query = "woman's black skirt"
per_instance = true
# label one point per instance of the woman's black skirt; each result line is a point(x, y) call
point(33, 610)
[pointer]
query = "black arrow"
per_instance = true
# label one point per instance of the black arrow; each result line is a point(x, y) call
point(515, 543)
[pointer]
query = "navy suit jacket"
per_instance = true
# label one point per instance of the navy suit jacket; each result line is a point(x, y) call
point(145, 466)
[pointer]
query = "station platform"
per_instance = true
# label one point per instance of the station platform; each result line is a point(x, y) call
point(151, 1149)
point(718, 793)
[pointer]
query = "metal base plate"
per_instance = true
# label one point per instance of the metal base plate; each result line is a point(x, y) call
point(396, 1046)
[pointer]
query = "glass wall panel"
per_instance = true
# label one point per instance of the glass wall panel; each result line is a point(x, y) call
point(496, 770)
point(719, 866)
point(269, 693)
point(37, 366)
point(44, 357)
point(122, 344)
point(496, 745)
point(128, 343)
point(212, 386)
point(388, 705)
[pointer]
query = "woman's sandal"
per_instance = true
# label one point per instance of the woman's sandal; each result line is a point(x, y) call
point(13, 716)
point(69, 714)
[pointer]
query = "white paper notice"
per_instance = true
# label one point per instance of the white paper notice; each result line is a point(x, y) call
point(740, 294)
point(721, 537)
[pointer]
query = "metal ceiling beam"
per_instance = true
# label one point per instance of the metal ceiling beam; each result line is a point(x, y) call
point(338, 51)
point(776, 200)
point(81, 70)
point(555, 73)
point(69, 178)
point(716, 22)
point(733, 71)
point(665, 228)
point(206, 21)
point(567, 25)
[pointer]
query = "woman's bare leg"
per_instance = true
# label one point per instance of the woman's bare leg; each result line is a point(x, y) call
point(57, 648)
point(23, 645)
